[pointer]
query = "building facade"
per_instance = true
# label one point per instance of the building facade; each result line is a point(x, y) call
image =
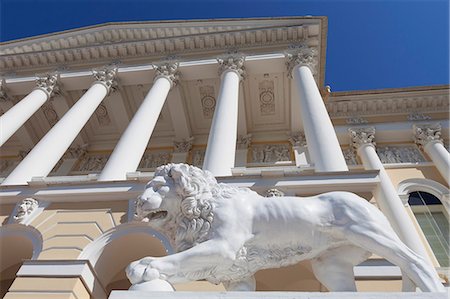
point(88, 114)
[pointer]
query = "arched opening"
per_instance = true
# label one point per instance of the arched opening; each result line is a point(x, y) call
point(17, 243)
point(111, 253)
point(433, 220)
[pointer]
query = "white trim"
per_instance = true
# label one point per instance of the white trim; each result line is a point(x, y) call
point(93, 251)
point(425, 185)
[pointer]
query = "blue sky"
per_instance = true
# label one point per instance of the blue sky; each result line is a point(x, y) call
point(372, 44)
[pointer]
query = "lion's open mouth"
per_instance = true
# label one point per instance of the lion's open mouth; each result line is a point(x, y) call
point(159, 214)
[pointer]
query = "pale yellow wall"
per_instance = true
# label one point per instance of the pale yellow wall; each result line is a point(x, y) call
point(52, 288)
point(398, 175)
point(67, 228)
point(5, 212)
point(379, 285)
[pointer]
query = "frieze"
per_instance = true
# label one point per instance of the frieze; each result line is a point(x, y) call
point(417, 116)
point(350, 156)
point(399, 154)
point(244, 141)
point(92, 163)
point(198, 156)
point(154, 159)
point(297, 138)
point(271, 153)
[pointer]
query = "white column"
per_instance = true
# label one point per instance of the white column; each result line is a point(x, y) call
point(44, 156)
point(322, 141)
point(221, 147)
point(385, 194)
point(131, 147)
point(428, 137)
point(15, 117)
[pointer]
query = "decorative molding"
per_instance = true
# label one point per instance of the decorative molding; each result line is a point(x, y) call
point(92, 163)
point(274, 193)
point(301, 55)
point(102, 115)
point(386, 104)
point(24, 209)
point(168, 70)
point(414, 116)
point(360, 136)
point(184, 145)
point(244, 141)
point(208, 100)
point(198, 156)
point(106, 76)
point(152, 159)
point(119, 41)
point(232, 62)
point(399, 154)
point(50, 113)
point(76, 152)
point(266, 97)
point(4, 92)
point(426, 133)
point(48, 83)
point(350, 156)
point(297, 138)
point(356, 120)
point(270, 153)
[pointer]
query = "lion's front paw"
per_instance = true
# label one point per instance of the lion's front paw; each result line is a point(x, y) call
point(141, 270)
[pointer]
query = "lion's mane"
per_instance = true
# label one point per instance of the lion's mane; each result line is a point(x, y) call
point(199, 192)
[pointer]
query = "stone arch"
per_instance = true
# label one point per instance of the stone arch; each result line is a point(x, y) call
point(110, 253)
point(17, 243)
point(425, 185)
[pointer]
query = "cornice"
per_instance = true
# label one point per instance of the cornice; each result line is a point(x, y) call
point(386, 102)
point(144, 40)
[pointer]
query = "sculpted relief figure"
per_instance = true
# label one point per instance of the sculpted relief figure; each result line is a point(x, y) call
point(225, 234)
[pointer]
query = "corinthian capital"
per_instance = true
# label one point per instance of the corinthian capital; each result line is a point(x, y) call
point(424, 134)
point(48, 83)
point(168, 71)
point(361, 136)
point(233, 62)
point(301, 55)
point(183, 146)
point(107, 77)
point(297, 138)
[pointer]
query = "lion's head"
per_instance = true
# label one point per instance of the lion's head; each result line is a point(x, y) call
point(179, 202)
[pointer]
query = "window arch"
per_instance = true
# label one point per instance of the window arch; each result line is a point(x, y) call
point(428, 201)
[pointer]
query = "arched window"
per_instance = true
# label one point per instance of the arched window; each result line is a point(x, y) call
point(434, 222)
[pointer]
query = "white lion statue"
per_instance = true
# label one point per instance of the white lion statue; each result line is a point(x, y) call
point(225, 234)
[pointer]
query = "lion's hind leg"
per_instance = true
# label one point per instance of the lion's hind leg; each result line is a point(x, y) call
point(334, 268)
point(384, 242)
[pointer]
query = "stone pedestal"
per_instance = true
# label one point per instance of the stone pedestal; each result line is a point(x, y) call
point(272, 295)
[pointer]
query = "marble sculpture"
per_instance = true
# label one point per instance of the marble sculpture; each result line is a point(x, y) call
point(226, 234)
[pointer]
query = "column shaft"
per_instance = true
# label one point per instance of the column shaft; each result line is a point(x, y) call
point(390, 203)
point(440, 157)
point(132, 144)
point(221, 148)
point(322, 141)
point(15, 117)
point(44, 156)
